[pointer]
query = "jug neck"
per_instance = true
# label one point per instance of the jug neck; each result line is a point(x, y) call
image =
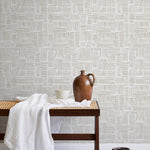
point(82, 72)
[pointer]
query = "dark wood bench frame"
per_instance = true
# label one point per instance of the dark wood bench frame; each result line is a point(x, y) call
point(71, 112)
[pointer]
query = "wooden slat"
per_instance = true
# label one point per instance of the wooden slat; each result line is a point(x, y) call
point(73, 136)
point(4, 112)
point(2, 136)
point(61, 112)
point(71, 112)
point(67, 136)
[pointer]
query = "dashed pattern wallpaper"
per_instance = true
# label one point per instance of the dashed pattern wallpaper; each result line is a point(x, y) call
point(45, 43)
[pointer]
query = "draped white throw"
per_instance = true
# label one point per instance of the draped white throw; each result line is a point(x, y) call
point(28, 126)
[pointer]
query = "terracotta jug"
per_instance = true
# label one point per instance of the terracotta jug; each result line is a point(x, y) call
point(83, 86)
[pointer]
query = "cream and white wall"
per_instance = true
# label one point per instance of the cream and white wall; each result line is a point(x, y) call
point(45, 43)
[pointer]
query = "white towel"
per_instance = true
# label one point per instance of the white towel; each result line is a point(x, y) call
point(18, 98)
point(28, 126)
point(55, 122)
point(69, 102)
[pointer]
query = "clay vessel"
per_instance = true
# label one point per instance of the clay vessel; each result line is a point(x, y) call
point(83, 86)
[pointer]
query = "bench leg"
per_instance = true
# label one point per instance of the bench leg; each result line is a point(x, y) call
point(96, 132)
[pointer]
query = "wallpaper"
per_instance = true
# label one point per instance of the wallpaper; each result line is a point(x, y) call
point(45, 43)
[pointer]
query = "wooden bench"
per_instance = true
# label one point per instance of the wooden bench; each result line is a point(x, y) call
point(93, 110)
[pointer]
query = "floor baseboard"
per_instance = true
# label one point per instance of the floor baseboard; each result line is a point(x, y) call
point(108, 146)
point(90, 146)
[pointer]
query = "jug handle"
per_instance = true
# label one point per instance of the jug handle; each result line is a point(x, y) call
point(92, 83)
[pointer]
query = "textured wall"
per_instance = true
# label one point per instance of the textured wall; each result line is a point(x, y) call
point(45, 43)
